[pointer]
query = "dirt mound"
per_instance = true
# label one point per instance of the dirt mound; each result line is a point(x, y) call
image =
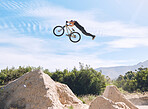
point(36, 90)
point(104, 103)
point(112, 93)
point(139, 101)
point(138, 98)
point(111, 99)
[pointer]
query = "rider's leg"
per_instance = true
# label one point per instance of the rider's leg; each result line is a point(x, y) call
point(86, 33)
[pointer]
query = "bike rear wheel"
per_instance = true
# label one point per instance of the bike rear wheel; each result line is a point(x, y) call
point(58, 31)
point(75, 37)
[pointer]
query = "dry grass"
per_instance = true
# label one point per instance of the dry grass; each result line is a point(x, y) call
point(71, 107)
point(86, 99)
point(1, 86)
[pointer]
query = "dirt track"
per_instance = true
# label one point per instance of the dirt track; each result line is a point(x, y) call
point(143, 107)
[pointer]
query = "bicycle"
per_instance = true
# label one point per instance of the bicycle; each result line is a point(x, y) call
point(73, 36)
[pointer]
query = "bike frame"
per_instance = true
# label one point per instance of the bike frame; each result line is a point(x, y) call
point(69, 31)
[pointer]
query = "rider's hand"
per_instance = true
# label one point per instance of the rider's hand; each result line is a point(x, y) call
point(66, 21)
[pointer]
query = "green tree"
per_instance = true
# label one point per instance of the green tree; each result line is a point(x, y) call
point(133, 81)
point(83, 81)
point(142, 79)
point(7, 74)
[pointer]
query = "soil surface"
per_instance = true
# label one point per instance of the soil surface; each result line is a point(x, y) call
point(143, 107)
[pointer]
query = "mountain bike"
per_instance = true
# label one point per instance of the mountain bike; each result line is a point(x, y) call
point(73, 36)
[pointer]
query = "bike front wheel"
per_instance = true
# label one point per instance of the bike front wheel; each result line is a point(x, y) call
point(75, 37)
point(58, 31)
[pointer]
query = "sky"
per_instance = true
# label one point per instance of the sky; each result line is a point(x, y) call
point(27, 39)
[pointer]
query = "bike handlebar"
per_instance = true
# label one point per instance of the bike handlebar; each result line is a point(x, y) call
point(66, 24)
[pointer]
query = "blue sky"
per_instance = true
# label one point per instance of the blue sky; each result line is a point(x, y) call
point(26, 38)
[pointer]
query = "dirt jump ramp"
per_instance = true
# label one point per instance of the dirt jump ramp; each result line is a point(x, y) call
point(36, 90)
point(112, 93)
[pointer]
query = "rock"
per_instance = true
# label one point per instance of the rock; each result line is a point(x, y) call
point(112, 93)
point(36, 90)
point(103, 103)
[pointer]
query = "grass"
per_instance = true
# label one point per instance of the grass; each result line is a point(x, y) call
point(71, 107)
point(86, 99)
point(1, 86)
point(123, 91)
point(1, 89)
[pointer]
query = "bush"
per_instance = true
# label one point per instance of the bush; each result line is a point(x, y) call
point(82, 82)
point(133, 81)
point(7, 75)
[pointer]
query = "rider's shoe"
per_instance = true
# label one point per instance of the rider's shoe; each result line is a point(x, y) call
point(93, 37)
point(68, 35)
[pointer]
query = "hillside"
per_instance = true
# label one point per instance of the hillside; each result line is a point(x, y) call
point(114, 72)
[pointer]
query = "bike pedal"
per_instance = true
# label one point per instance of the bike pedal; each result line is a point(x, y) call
point(67, 34)
point(73, 29)
point(74, 36)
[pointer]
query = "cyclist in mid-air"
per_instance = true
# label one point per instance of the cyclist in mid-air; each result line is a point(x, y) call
point(81, 28)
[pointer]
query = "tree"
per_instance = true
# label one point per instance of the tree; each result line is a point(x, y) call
point(133, 81)
point(142, 79)
point(83, 81)
point(7, 74)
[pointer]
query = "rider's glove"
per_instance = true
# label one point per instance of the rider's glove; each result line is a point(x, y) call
point(66, 21)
